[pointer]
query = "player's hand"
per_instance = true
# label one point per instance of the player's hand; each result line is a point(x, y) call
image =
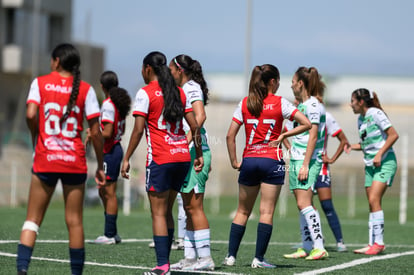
point(100, 178)
point(303, 173)
point(198, 164)
point(236, 165)
point(125, 169)
point(326, 159)
point(348, 148)
point(377, 160)
point(277, 142)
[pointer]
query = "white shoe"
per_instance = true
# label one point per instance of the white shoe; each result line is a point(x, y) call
point(256, 263)
point(104, 240)
point(341, 247)
point(204, 263)
point(184, 264)
point(151, 245)
point(229, 260)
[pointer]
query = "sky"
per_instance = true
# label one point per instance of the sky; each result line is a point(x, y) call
point(342, 37)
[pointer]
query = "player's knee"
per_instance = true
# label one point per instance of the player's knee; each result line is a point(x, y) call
point(29, 225)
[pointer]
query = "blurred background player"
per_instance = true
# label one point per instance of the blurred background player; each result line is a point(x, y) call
point(56, 106)
point(188, 74)
point(159, 108)
point(262, 168)
point(114, 110)
point(377, 136)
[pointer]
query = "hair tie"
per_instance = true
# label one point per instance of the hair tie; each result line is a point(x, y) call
point(371, 94)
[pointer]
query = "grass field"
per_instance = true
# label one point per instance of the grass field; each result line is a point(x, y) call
point(133, 256)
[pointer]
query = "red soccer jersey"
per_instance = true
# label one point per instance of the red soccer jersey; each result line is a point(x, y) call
point(267, 127)
point(167, 143)
point(59, 147)
point(110, 114)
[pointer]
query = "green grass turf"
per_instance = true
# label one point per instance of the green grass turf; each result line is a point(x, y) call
point(135, 257)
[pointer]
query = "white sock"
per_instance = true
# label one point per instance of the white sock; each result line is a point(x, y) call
point(370, 230)
point(378, 227)
point(182, 218)
point(189, 245)
point(202, 242)
point(314, 225)
point(307, 242)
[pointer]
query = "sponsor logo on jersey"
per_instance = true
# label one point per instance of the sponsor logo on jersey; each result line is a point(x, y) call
point(57, 144)
point(57, 88)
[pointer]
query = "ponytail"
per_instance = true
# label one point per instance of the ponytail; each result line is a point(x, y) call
point(121, 100)
point(369, 97)
point(312, 81)
point(173, 106)
point(192, 68)
point(261, 75)
point(257, 92)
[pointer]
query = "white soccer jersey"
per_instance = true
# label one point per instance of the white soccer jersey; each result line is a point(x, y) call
point(372, 134)
point(315, 112)
point(194, 93)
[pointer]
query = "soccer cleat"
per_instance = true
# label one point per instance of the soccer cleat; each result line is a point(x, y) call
point(204, 263)
point(317, 254)
point(375, 249)
point(341, 247)
point(104, 240)
point(229, 260)
point(262, 264)
point(178, 244)
point(22, 272)
point(184, 264)
point(117, 239)
point(362, 250)
point(300, 253)
point(151, 245)
point(157, 271)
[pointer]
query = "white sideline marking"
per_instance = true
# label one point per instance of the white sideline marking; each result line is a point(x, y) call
point(113, 265)
point(355, 263)
point(212, 241)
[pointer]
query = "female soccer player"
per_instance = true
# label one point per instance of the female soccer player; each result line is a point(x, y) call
point(160, 107)
point(377, 136)
point(189, 75)
point(114, 109)
point(56, 105)
point(306, 161)
point(323, 184)
point(262, 169)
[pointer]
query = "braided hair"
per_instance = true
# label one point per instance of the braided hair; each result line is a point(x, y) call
point(192, 68)
point(173, 106)
point(69, 60)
